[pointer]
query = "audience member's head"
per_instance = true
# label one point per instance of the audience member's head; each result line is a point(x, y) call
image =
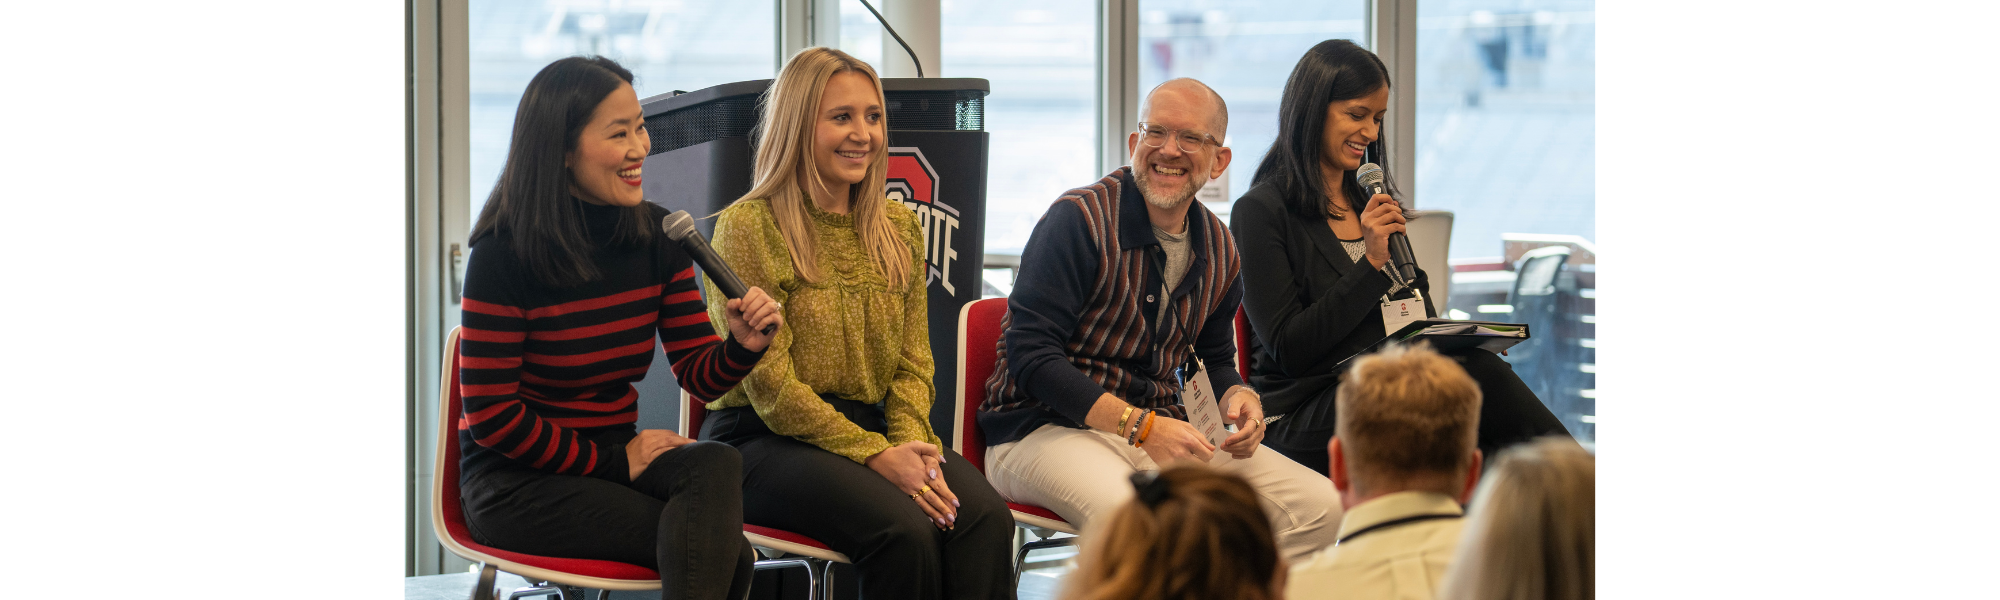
point(1532, 531)
point(1408, 421)
point(1191, 534)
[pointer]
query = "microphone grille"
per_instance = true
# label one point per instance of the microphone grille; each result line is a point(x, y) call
point(1369, 174)
point(677, 225)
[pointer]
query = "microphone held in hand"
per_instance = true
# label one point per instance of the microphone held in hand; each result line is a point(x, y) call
point(679, 227)
point(1400, 256)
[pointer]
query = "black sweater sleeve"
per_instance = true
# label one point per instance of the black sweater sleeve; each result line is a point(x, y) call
point(1058, 269)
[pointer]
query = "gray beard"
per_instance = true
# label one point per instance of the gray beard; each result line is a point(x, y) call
point(1172, 201)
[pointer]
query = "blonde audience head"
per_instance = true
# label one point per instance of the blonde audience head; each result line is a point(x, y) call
point(1532, 531)
point(1191, 534)
point(1409, 420)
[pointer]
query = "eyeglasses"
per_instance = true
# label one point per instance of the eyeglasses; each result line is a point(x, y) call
point(1189, 140)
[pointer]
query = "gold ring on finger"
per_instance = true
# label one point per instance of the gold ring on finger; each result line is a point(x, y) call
point(926, 490)
point(919, 496)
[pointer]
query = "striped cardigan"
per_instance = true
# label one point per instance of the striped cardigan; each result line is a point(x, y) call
point(1081, 319)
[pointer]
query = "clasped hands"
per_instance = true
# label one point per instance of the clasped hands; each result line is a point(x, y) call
point(913, 467)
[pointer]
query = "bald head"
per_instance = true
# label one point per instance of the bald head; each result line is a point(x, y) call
point(1188, 95)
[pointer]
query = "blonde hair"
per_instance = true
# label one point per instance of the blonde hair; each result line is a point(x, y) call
point(1202, 536)
point(1533, 528)
point(1407, 411)
point(785, 166)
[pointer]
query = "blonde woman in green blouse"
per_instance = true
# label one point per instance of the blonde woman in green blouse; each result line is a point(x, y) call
point(833, 424)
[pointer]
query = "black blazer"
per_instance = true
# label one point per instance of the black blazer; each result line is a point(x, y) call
point(1309, 305)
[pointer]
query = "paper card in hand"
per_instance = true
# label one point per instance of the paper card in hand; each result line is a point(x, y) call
point(1203, 411)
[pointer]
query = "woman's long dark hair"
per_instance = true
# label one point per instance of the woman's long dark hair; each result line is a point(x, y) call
point(1332, 71)
point(531, 204)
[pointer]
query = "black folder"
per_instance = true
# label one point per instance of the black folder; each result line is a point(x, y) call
point(1446, 335)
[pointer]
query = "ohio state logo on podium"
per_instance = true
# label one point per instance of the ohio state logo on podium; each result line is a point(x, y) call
point(914, 182)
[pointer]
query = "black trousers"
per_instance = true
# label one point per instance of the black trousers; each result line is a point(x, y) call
point(1509, 413)
point(682, 517)
point(897, 551)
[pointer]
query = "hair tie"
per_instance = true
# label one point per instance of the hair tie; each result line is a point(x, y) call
point(1151, 487)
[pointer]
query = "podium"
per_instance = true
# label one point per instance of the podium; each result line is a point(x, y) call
point(703, 156)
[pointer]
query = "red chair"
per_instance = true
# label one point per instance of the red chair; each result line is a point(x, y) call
point(546, 575)
point(772, 543)
point(563, 576)
point(978, 334)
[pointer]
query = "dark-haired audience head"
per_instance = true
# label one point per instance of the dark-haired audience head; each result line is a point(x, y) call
point(1334, 101)
point(579, 137)
point(1532, 532)
point(1409, 421)
point(1168, 169)
point(1190, 533)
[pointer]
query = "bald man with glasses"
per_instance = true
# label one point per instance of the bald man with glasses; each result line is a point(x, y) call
point(1125, 303)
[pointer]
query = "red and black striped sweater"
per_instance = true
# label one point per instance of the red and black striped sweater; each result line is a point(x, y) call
point(547, 373)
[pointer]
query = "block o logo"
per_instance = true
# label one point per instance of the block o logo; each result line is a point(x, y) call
point(913, 182)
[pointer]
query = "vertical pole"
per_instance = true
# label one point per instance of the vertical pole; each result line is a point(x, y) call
point(1117, 78)
point(918, 22)
point(825, 19)
point(794, 30)
point(438, 204)
point(1391, 32)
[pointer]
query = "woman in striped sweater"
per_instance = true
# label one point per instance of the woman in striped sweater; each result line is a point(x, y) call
point(568, 282)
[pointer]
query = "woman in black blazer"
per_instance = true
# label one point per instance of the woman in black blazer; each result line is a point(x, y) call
point(1314, 273)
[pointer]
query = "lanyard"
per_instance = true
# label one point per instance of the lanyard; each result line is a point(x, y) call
point(1187, 367)
point(1393, 523)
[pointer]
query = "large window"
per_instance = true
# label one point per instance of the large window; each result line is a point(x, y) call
point(1039, 57)
point(1506, 140)
point(668, 44)
point(1505, 118)
point(1244, 49)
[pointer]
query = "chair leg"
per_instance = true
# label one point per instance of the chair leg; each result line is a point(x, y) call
point(543, 588)
point(1021, 558)
point(483, 589)
point(813, 571)
point(826, 580)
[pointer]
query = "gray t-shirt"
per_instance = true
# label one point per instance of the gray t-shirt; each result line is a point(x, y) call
point(1178, 253)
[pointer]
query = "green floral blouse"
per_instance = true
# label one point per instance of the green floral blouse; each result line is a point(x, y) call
point(847, 335)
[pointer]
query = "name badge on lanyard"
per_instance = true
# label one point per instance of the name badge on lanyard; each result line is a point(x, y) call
point(1204, 413)
point(1397, 313)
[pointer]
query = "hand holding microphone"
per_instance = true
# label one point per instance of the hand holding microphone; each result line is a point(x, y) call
point(1385, 215)
point(753, 316)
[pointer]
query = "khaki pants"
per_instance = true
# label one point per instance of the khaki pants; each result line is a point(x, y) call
point(1083, 473)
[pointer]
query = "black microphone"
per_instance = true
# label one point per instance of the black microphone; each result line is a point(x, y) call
point(1371, 179)
point(680, 228)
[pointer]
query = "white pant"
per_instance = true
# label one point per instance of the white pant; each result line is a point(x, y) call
point(1083, 473)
